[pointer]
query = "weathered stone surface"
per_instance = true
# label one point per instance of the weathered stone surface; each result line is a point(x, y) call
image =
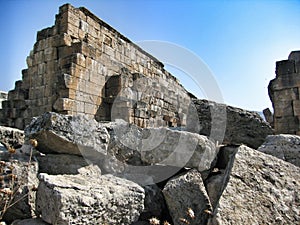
point(30, 222)
point(177, 148)
point(19, 175)
point(68, 134)
point(258, 189)
point(231, 125)
point(54, 164)
point(269, 116)
point(11, 137)
point(284, 94)
point(92, 76)
point(3, 97)
point(186, 192)
point(118, 145)
point(78, 199)
point(283, 146)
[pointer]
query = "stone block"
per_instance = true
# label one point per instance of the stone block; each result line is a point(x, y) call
point(94, 89)
point(38, 58)
point(294, 55)
point(62, 104)
point(286, 125)
point(296, 107)
point(50, 54)
point(285, 67)
point(283, 108)
point(79, 59)
point(64, 51)
point(90, 108)
point(286, 94)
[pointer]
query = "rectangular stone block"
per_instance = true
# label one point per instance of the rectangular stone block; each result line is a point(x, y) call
point(286, 125)
point(283, 108)
point(90, 108)
point(94, 89)
point(296, 107)
point(63, 104)
point(64, 51)
point(285, 67)
point(50, 54)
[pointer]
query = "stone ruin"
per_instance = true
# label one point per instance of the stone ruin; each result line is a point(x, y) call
point(3, 97)
point(88, 172)
point(284, 94)
point(82, 65)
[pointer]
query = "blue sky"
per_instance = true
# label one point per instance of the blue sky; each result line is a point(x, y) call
point(240, 41)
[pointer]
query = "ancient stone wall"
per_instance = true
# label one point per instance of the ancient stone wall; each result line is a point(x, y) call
point(284, 93)
point(3, 97)
point(81, 65)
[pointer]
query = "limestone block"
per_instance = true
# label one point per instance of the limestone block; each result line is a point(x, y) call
point(294, 55)
point(68, 134)
point(63, 39)
point(186, 197)
point(79, 59)
point(39, 57)
point(93, 23)
point(68, 18)
point(64, 51)
point(90, 108)
point(229, 124)
point(296, 107)
point(50, 54)
point(41, 68)
point(65, 199)
point(268, 190)
point(286, 94)
point(286, 125)
point(283, 108)
point(93, 89)
point(62, 104)
point(283, 146)
point(84, 26)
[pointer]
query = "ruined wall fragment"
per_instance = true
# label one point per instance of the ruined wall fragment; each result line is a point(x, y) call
point(284, 94)
point(70, 65)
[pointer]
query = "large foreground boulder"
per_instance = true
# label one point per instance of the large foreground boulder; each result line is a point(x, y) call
point(78, 199)
point(187, 199)
point(283, 146)
point(57, 133)
point(258, 189)
point(230, 125)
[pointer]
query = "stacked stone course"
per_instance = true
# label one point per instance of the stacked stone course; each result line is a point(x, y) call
point(284, 94)
point(81, 65)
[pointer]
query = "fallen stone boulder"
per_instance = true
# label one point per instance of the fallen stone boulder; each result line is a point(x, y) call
point(117, 146)
point(283, 146)
point(187, 199)
point(11, 137)
point(257, 189)
point(78, 199)
point(57, 133)
point(230, 125)
point(54, 164)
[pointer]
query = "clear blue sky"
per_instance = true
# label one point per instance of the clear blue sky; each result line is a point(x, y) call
point(240, 41)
